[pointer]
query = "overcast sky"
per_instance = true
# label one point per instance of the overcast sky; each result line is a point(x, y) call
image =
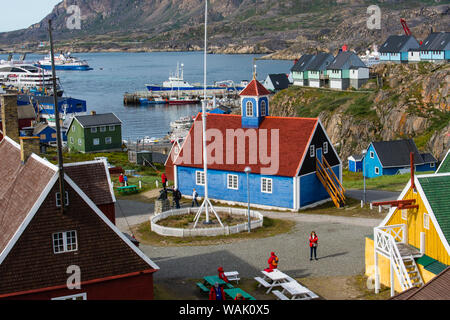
point(19, 14)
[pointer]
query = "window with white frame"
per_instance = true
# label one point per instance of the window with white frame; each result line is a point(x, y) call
point(232, 181)
point(325, 147)
point(58, 199)
point(426, 221)
point(112, 128)
point(377, 170)
point(103, 129)
point(263, 108)
point(266, 185)
point(108, 140)
point(96, 141)
point(372, 154)
point(79, 141)
point(432, 165)
point(93, 129)
point(200, 178)
point(71, 140)
point(404, 214)
point(249, 109)
point(65, 241)
point(73, 128)
point(312, 151)
point(80, 296)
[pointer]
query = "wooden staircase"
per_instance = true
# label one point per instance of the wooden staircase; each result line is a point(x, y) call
point(331, 183)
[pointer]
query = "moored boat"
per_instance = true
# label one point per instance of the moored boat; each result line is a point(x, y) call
point(64, 62)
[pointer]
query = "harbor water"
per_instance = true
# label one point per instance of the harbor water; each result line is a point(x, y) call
point(115, 73)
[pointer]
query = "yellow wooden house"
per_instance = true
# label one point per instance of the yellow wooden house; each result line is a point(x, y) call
point(411, 245)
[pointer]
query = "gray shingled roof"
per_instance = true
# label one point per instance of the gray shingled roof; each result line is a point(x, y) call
point(436, 41)
point(303, 63)
point(320, 62)
point(345, 57)
point(394, 43)
point(396, 153)
point(95, 120)
point(428, 158)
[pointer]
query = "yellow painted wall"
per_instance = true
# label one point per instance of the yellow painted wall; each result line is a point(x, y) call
point(433, 244)
point(384, 268)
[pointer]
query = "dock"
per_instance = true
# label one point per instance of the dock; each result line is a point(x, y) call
point(133, 98)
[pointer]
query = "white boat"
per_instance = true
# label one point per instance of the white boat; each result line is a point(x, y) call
point(64, 62)
point(371, 57)
point(25, 76)
point(182, 123)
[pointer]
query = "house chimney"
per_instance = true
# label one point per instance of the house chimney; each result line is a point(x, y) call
point(10, 119)
point(28, 145)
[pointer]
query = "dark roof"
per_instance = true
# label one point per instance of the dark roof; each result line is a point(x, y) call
point(436, 41)
point(428, 158)
point(346, 58)
point(303, 63)
point(396, 153)
point(320, 62)
point(357, 157)
point(94, 120)
point(39, 127)
point(437, 288)
point(395, 43)
point(279, 81)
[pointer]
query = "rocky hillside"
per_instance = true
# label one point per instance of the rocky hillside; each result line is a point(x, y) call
point(284, 29)
point(407, 101)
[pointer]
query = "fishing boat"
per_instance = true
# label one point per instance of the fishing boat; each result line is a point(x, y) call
point(182, 101)
point(152, 100)
point(176, 82)
point(182, 123)
point(64, 62)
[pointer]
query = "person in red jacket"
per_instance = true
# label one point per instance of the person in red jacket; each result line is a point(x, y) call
point(273, 262)
point(222, 275)
point(216, 292)
point(313, 241)
point(121, 181)
point(164, 180)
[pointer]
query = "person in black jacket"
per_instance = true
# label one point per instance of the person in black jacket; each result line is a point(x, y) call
point(176, 197)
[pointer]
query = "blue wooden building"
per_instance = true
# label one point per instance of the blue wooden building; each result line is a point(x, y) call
point(393, 157)
point(288, 157)
point(436, 47)
point(355, 162)
point(396, 48)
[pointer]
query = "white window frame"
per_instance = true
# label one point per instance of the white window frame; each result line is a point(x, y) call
point(73, 297)
point(103, 129)
point(263, 108)
point(94, 140)
point(73, 128)
point(325, 147)
point(312, 151)
point(94, 130)
point(426, 221)
point(432, 165)
point(79, 141)
point(200, 178)
point(58, 199)
point(372, 154)
point(110, 140)
point(112, 128)
point(377, 170)
point(71, 140)
point(247, 105)
point(232, 181)
point(65, 245)
point(266, 185)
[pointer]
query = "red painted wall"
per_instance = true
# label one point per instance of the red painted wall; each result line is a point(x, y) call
point(138, 287)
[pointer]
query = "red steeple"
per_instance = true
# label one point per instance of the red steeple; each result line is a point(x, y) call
point(254, 88)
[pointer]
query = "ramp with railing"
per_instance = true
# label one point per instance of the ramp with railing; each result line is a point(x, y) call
point(331, 182)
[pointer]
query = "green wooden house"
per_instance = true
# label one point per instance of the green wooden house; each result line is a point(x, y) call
point(299, 70)
point(95, 133)
point(347, 70)
point(444, 167)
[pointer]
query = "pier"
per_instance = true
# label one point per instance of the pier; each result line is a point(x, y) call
point(133, 98)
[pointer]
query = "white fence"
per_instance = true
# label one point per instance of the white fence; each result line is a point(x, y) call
point(256, 222)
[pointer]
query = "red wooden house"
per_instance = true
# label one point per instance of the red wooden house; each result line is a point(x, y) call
point(42, 249)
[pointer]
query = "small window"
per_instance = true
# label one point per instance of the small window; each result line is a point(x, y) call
point(65, 241)
point(404, 214)
point(312, 151)
point(102, 129)
point(249, 109)
point(94, 130)
point(96, 141)
point(372, 155)
point(73, 128)
point(266, 185)
point(112, 128)
point(426, 221)
point(377, 170)
point(325, 147)
point(432, 165)
point(200, 178)
point(54, 135)
point(108, 140)
point(263, 108)
point(58, 199)
point(79, 141)
point(232, 181)
point(71, 140)
point(43, 136)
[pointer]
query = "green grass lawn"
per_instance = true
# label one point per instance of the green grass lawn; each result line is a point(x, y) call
point(354, 180)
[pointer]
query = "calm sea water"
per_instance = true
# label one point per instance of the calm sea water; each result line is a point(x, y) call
point(117, 73)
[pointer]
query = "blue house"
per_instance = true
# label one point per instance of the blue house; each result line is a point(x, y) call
point(47, 133)
point(436, 47)
point(287, 157)
point(393, 157)
point(355, 162)
point(396, 48)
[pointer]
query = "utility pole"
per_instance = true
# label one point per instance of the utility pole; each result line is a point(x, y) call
point(58, 127)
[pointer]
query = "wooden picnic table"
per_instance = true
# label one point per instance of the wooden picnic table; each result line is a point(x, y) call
point(128, 189)
point(296, 290)
point(211, 280)
point(234, 291)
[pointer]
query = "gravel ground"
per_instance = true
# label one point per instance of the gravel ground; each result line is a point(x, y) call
point(340, 250)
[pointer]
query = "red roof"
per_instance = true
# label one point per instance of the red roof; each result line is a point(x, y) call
point(254, 88)
point(294, 136)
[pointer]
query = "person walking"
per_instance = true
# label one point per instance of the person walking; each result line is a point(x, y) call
point(164, 180)
point(313, 241)
point(177, 197)
point(216, 292)
point(125, 180)
point(194, 198)
point(121, 181)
